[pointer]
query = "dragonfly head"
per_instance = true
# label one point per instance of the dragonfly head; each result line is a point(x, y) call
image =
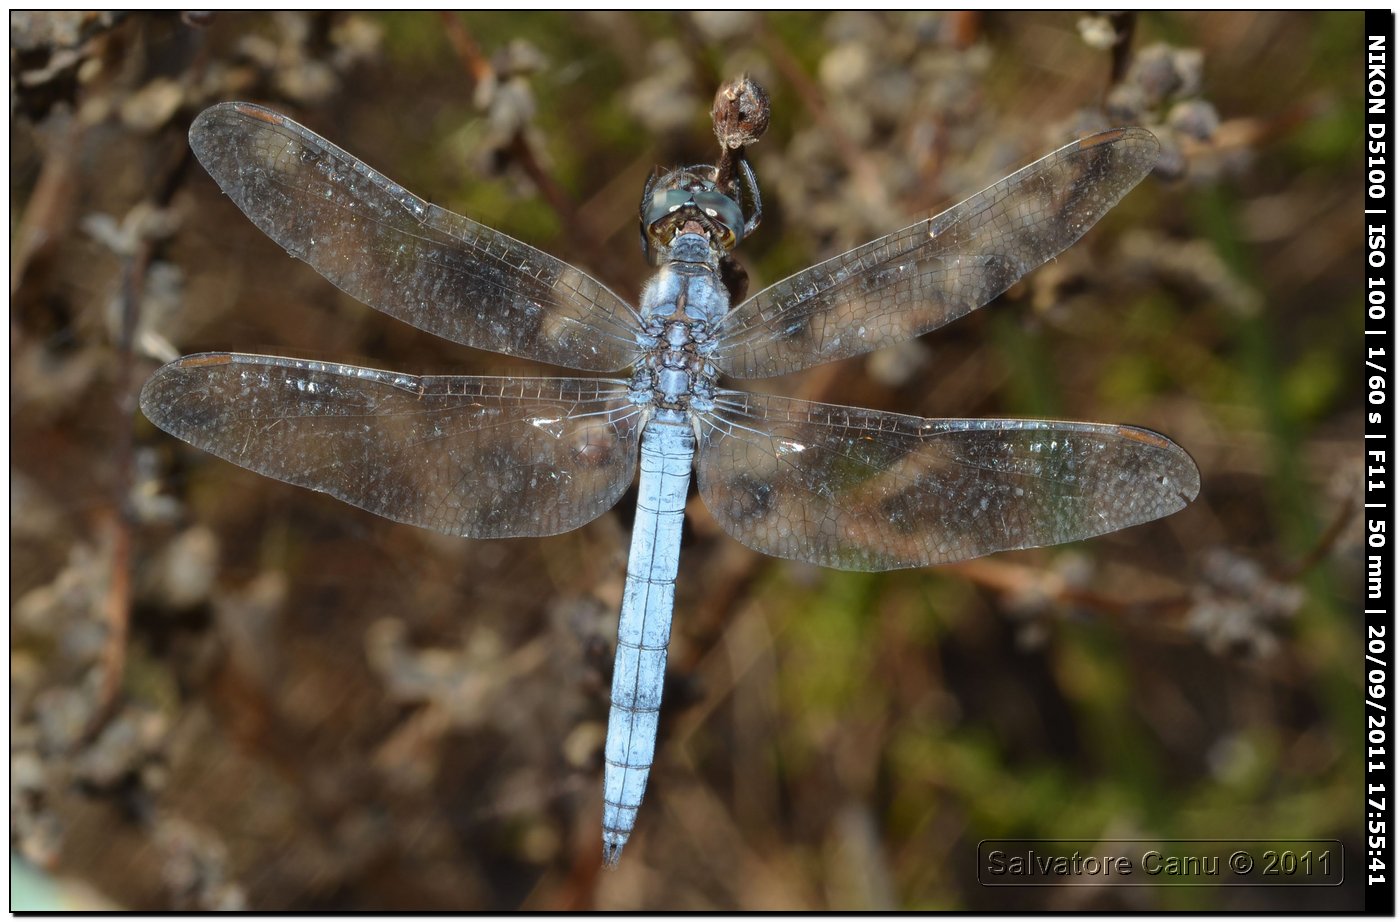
point(688, 197)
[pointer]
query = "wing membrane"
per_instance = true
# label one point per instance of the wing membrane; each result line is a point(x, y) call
point(864, 490)
point(933, 272)
point(471, 456)
point(375, 240)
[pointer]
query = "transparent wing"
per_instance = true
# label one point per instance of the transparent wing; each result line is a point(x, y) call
point(864, 490)
point(477, 457)
point(377, 241)
point(924, 276)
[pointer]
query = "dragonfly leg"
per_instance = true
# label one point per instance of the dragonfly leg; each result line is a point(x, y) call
point(749, 183)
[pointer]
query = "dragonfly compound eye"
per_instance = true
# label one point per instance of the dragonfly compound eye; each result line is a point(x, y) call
point(683, 196)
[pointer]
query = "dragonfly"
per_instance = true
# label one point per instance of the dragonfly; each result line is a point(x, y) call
point(503, 457)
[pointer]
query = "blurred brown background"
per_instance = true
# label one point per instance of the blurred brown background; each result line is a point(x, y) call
point(228, 692)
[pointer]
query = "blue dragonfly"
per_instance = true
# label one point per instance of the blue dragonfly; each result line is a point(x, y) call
point(503, 457)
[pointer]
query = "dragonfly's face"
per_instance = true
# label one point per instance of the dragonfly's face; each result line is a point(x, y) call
point(685, 199)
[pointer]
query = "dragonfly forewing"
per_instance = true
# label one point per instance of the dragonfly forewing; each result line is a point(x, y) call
point(933, 272)
point(382, 244)
point(471, 456)
point(865, 490)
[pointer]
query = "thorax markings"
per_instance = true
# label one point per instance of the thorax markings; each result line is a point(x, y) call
point(681, 308)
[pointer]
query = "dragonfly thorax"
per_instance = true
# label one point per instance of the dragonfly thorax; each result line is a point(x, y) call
point(681, 306)
point(676, 373)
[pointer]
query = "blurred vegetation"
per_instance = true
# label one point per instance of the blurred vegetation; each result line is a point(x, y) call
point(228, 692)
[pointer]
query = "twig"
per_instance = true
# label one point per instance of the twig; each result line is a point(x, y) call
point(964, 26)
point(519, 148)
point(1121, 51)
point(1017, 580)
point(1325, 542)
point(116, 607)
point(49, 211)
point(740, 117)
point(462, 42)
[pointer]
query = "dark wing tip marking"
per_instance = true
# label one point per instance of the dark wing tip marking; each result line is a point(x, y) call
point(204, 359)
point(1146, 436)
point(1103, 137)
point(257, 112)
